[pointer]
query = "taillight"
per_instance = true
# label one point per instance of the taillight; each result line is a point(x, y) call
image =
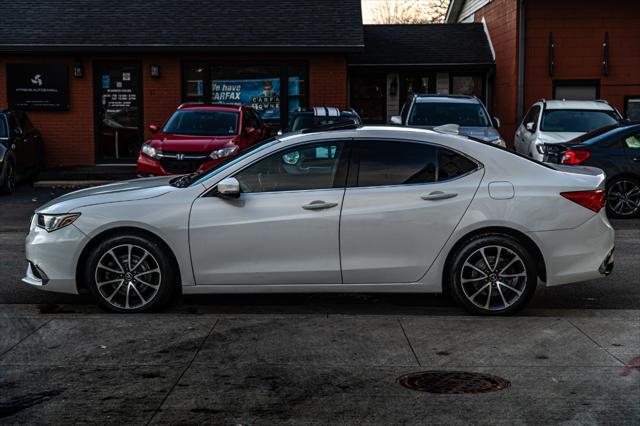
point(575, 157)
point(593, 200)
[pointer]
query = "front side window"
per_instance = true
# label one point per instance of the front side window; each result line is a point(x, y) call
point(203, 123)
point(304, 167)
point(578, 121)
point(4, 132)
point(384, 163)
point(532, 117)
point(441, 113)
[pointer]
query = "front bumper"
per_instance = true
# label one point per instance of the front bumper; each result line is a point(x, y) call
point(579, 254)
point(53, 257)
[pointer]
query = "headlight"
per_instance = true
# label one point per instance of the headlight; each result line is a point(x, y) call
point(149, 150)
point(52, 222)
point(224, 152)
point(540, 148)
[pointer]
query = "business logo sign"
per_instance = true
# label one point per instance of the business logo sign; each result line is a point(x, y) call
point(38, 87)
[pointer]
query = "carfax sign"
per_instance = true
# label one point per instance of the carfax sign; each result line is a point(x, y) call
point(262, 94)
point(38, 87)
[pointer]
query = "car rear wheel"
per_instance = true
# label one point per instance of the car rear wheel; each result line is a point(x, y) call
point(623, 198)
point(130, 274)
point(492, 274)
point(9, 182)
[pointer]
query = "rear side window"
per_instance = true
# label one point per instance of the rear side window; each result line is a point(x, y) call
point(4, 132)
point(383, 163)
point(532, 116)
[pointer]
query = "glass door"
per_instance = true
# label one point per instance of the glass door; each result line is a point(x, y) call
point(119, 120)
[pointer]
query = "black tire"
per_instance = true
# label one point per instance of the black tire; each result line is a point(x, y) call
point(622, 193)
point(114, 247)
point(8, 183)
point(506, 295)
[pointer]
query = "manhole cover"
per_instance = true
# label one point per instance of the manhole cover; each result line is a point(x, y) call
point(452, 382)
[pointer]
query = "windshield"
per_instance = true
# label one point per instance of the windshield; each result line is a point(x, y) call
point(441, 113)
point(308, 121)
point(199, 177)
point(577, 121)
point(202, 123)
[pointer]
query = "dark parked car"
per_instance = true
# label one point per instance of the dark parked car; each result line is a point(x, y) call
point(320, 116)
point(21, 149)
point(616, 150)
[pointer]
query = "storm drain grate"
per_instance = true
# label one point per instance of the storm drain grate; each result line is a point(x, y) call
point(453, 382)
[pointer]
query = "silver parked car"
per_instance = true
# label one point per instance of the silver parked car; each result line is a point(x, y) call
point(466, 112)
point(370, 209)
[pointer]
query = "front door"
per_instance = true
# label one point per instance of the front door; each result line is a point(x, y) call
point(119, 120)
point(283, 229)
point(403, 204)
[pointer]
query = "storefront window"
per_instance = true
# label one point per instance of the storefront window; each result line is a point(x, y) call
point(467, 85)
point(368, 97)
point(273, 90)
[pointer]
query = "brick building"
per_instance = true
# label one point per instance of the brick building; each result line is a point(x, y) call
point(570, 49)
point(93, 75)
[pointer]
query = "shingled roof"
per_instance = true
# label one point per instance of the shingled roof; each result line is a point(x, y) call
point(202, 25)
point(430, 44)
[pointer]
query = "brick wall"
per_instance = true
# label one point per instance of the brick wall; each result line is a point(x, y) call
point(579, 27)
point(69, 135)
point(502, 20)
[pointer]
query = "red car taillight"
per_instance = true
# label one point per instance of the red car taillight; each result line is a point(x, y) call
point(593, 200)
point(575, 157)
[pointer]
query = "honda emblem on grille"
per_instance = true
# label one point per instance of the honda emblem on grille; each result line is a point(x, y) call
point(180, 156)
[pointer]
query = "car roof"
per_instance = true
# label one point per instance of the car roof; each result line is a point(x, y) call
point(211, 107)
point(460, 99)
point(584, 105)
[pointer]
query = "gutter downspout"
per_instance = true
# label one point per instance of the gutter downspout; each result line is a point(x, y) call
point(521, 57)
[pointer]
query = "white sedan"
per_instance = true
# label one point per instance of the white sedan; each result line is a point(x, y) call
point(369, 209)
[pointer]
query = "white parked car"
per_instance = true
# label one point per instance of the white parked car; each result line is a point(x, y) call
point(557, 121)
point(370, 209)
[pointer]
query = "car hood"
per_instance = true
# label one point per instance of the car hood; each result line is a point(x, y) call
point(558, 137)
point(487, 134)
point(136, 189)
point(182, 143)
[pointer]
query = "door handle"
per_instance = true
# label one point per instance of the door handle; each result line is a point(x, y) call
point(438, 195)
point(318, 205)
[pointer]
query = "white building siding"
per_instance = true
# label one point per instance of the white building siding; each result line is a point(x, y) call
point(469, 8)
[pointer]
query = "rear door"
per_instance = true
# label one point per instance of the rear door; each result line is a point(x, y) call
point(402, 203)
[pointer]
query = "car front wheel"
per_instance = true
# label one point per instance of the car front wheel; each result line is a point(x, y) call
point(8, 184)
point(130, 274)
point(492, 274)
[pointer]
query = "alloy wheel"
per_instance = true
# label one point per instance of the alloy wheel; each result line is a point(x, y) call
point(493, 278)
point(128, 277)
point(624, 197)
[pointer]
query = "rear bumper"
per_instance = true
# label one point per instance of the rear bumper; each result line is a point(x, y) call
point(580, 254)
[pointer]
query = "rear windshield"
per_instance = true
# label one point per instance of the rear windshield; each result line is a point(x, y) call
point(203, 123)
point(577, 121)
point(441, 113)
point(308, 121)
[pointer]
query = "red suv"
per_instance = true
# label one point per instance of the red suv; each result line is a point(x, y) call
point(198, 136)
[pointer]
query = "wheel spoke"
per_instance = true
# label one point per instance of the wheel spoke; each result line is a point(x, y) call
point(101, 266)
point(144, 256)
point(495, 266)
point(151, 271)
point(486, 305)
point(479, 291)
point(476, 268)
point(506, 304)
point(129, 248)
point(103, 283)
point(110, 298)
point(126, 303)
point(138, 293)
point(116, 259)
point(511, 262)
point(520, 274)
point(484, 257)
point(516, 291)
point(470, 280)
point(153, 286)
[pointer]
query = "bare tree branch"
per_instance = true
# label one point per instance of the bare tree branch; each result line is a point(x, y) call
point(409, 11)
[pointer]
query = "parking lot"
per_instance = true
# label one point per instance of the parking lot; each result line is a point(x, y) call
point(571, 357)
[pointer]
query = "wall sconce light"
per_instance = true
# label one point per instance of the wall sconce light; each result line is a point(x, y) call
point(155, 71)
point(605, 60)
point(393, 87)
point(78, 69)
point(551, 60)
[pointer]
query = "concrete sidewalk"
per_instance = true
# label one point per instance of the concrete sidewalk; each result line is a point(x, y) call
point(565, 367)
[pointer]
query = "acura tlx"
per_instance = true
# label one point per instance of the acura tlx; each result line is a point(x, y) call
point(359, 209)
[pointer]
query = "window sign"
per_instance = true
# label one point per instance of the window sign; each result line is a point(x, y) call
point(38, 87)
point(262, 94)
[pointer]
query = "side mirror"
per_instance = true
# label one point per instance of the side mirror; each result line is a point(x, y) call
point(229, 187)
point(529, 126)
point(250, 130)
point(496, 122)
point(396, 119)
point(153, 128)
point(18, 131)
